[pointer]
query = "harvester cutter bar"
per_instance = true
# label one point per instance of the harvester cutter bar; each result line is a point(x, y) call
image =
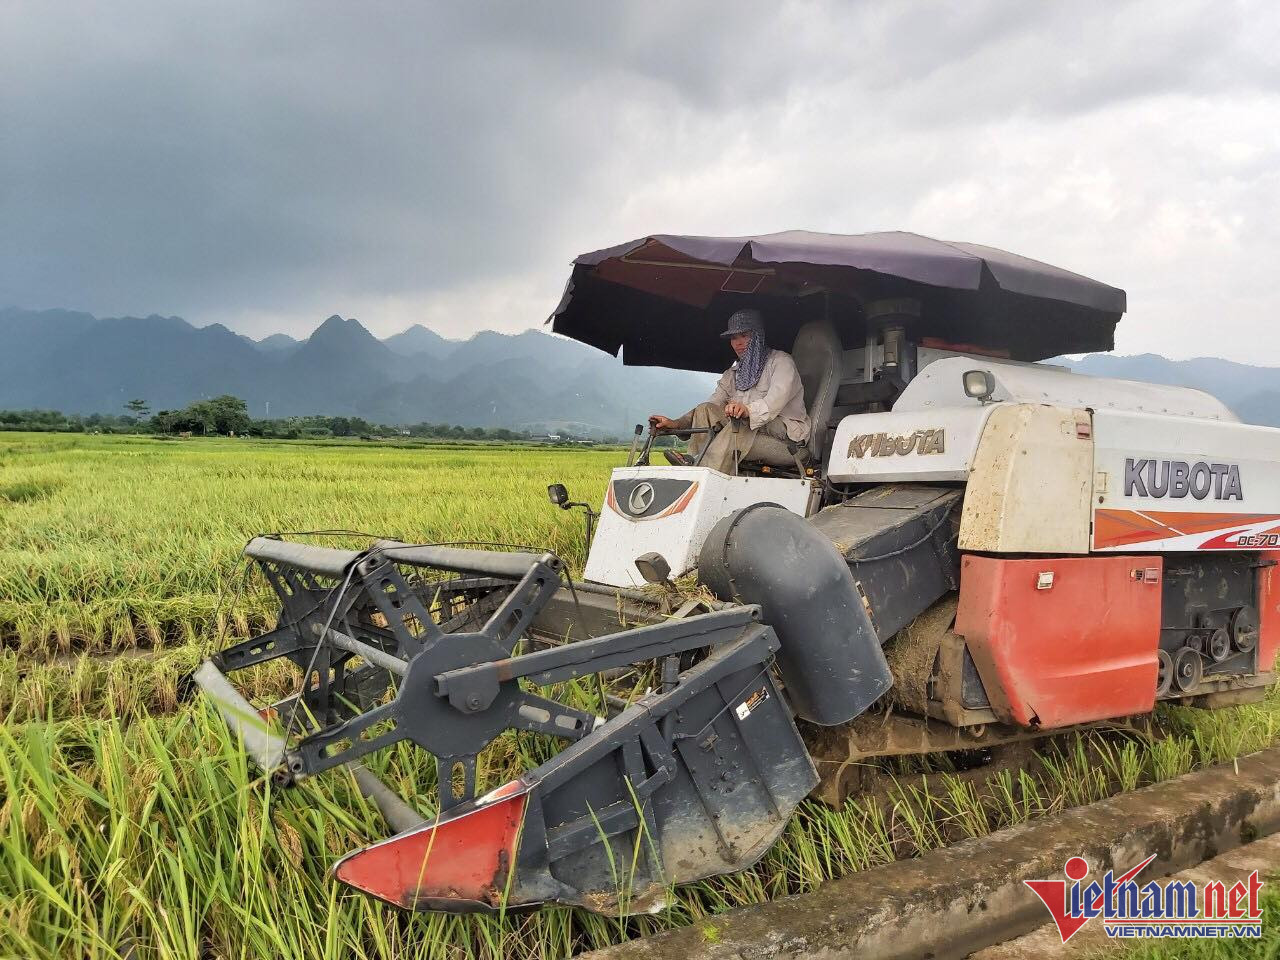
point(616, 818)
point(695, 779)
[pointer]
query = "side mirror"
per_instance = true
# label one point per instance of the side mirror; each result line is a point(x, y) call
point(979, 384)
point(653, 567)
point(559, 497)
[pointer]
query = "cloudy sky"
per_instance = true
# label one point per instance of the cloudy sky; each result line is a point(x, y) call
point(266, 164)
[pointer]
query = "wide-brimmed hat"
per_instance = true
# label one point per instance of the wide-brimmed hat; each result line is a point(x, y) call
point(744, 321)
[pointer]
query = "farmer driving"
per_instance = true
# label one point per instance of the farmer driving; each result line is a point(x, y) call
point(759, 396)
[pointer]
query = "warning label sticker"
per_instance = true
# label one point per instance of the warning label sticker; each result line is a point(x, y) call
point(744, 709)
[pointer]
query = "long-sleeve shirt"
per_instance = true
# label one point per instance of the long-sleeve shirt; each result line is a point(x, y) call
point(777, 394)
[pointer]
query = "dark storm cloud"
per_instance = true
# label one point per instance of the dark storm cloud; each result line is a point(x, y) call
point(265, 165)
point(219, 156)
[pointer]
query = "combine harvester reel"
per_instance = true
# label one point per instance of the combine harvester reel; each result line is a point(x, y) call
point(992, 548)
point(696, 779)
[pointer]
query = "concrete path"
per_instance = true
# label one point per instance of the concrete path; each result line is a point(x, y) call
point(968, 896)
point(1261, 855)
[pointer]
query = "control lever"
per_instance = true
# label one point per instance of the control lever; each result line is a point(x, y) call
point(635, 438)
point(685, 432)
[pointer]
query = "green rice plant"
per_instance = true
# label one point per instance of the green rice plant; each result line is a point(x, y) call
point(130, 824)
point(1017, 796)
point(1072, 773)
point(107, 561)
point(23, 491)
point(121, 687)
point(1121, 762)
point(154, 835)
point(964, 804)
point(911, 815)
point(1170, 757)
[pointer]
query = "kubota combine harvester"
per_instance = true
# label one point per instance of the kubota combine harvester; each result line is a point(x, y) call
point(995, 548)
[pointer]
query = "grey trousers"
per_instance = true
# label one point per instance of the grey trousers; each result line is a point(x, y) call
point(733, 444)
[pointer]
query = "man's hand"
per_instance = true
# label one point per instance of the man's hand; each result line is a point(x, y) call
point(735, 409)
point(660, 423)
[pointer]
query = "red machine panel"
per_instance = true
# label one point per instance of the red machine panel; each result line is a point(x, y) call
point(463, 856)
point(1268, 613)
point(1063, 640)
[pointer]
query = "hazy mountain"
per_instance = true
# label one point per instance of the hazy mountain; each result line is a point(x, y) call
point(419, 340)
point(530, 347)
point(60, 359)
point(77, 363)
point(1253, 393)
point(277, 343)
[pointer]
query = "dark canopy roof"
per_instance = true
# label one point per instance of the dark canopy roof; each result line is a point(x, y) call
point(663, 300)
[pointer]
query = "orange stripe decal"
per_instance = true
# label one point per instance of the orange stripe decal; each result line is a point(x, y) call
point(1116, 528)
point(679, 505)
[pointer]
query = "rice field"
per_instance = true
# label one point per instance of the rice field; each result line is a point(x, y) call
point(113, 543)
point(130, 826)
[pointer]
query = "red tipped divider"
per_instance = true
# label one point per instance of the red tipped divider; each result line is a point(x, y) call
point(463, 856)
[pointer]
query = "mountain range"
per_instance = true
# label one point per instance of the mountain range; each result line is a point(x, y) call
point(78, 363)
point(1253, 393)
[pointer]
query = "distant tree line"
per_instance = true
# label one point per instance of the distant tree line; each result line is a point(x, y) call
point(53, 421)
point(229, 416)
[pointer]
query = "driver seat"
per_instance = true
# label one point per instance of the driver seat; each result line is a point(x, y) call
point(819, 358)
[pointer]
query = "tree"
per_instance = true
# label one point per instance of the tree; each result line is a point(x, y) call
point(138, 408)
point(229, 414)
point(225, 414)
point(196, 418)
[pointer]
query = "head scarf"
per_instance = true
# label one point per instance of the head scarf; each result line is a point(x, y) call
point(746, 372)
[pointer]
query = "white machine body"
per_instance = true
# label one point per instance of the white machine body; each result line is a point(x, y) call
point(1165, 483)
point(1052, 462)
point(670, 510)
point(1058, 462)
point(934, 429)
